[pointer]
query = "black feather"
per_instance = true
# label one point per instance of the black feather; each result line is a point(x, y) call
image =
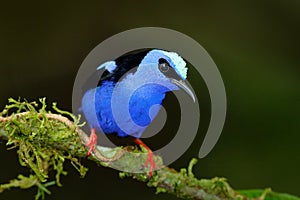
point(125, 63)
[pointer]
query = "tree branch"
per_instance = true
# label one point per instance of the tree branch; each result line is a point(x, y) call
point(46, 140)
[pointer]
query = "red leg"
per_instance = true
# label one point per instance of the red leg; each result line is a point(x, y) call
point(150, 159)
point(92, 142)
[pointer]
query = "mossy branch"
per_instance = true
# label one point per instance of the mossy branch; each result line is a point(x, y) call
point(44, 141)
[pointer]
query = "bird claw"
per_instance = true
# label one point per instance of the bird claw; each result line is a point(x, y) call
point(150, 158)
point(92, 142)
point(151, 162)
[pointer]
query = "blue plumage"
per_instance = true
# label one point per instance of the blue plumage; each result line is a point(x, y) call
point(136, 90)
point(130, 93)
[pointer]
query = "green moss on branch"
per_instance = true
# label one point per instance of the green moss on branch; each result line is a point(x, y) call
point(44, 141)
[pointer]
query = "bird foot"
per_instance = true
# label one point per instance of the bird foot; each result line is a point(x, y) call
point(92, 142)
point(150, 161)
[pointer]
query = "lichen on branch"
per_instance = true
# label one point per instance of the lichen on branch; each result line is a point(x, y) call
point(44, 141)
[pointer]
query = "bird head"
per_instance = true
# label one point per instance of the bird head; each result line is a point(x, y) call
point(148, 67)
point(167, 67)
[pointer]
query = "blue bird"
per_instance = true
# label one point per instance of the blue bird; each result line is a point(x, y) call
point(130, 93)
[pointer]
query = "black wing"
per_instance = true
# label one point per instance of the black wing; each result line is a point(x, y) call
point(125, 63)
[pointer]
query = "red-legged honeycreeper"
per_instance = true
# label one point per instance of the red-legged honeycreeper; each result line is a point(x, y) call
point(123, 101)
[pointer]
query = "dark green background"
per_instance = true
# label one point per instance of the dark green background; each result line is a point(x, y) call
point(254, 43)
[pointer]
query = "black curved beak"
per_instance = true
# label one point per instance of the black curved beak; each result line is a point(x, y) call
point(184, 86)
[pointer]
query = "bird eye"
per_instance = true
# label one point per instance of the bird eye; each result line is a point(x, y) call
point(163, 65)
point(165, 68)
